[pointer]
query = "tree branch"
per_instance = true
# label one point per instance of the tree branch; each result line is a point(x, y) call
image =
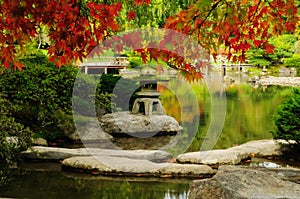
point(208, 14)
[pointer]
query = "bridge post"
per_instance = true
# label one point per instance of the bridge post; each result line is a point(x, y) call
point(224, 69)
point(240, 67)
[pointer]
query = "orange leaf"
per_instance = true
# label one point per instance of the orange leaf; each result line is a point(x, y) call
point(18, 65)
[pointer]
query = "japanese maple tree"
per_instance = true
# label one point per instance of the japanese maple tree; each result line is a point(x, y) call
point(236, 24)
point(76, 26)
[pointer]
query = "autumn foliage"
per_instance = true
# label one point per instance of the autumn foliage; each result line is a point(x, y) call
point(236, 25)
point(75, 27)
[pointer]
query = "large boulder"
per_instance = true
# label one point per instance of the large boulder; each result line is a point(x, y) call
point(127, 123)
point(241, 183)
point(89, 131)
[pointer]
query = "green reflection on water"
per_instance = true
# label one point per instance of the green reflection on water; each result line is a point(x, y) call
point(248, 115)
point(56, 184)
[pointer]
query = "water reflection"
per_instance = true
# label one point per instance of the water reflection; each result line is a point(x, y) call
point(39, 183)
point(249, 112)
point(248, 115)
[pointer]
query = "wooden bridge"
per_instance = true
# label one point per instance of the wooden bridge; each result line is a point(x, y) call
point(239, 67)
point(104, 63)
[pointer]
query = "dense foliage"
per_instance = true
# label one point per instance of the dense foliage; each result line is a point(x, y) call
point(38, 93)
point(41, 95)
point(287, 120)
point(293, 61)
point(14, 137)
point(284, 47)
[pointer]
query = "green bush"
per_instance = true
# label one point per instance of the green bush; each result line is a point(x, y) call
point(42, 96)
point(293, 62)
point(259, 62)
point(135, 62)
point(14, 137)
point(117, 89)
point(38, 92)
point(287, 119)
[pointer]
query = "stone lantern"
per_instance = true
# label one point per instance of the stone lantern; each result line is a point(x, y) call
point(147, 102)
point(147, 117)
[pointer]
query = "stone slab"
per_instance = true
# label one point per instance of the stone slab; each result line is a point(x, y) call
point(134, 167)
point(233, 155)
point(54, 153)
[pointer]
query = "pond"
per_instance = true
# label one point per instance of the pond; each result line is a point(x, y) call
point(248, 117)
point(46, 180)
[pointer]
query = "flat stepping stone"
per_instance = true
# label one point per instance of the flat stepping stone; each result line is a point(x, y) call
point(233, 155)
point(55, 153)
point(134, 167)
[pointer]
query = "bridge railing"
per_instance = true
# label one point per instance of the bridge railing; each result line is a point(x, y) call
point(104, 62)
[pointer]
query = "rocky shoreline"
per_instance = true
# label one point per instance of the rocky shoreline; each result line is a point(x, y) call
point(280, 81)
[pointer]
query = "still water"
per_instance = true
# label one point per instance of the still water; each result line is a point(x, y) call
point(46, 180)
point(249, 112)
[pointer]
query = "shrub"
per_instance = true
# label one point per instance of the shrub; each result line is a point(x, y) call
point(14, 137)
point(293, 62)
point(135, 62)
point(37, 93)
point(287, 119)
point(41, 95)
point(260, 62)
point(117, 89)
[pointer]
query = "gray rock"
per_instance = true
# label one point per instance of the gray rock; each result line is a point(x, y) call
point(228, 79)
point(53, 153)
point(213, 157)
point(293, 70)
point(241, 183)
point(253, 79)
point(233, 155)
point(260, 148)
point(12, 140)
point(138, 167)
point(89, 131)
point(39, 142)
point(284, 72)
point(124, 122)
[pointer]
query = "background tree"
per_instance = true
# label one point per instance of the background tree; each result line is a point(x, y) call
point(284, 47)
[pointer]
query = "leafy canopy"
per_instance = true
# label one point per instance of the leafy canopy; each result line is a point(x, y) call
point(75, 27)
point(236, 24)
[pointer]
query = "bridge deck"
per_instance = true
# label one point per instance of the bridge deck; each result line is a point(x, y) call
point(105, 62)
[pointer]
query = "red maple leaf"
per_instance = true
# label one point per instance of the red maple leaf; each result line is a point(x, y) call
point(131, 15)
point(269, 48)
